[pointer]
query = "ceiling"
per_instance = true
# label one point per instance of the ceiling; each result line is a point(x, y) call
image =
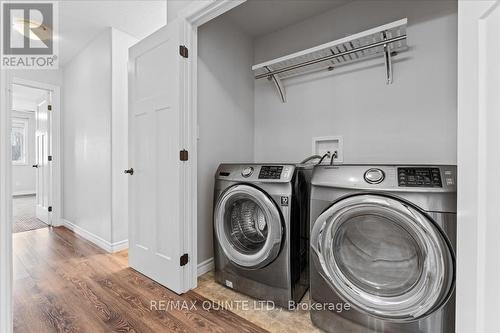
point(260, 17)
point(23, 96)
point(82, 21)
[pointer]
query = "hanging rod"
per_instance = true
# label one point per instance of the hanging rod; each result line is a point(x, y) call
point(330, 57)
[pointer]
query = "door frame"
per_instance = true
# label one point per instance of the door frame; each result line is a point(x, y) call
point(193, 16)
point(54, 149)
point(5, 207)
point(474, 201)
point(7, 78)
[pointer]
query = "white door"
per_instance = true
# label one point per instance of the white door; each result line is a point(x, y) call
point(156, 230)
point(478, 232)
point(43, 173)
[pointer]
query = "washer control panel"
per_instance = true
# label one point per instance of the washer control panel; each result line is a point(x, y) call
point(419, 177)
point(253, 172)
point(270, 172)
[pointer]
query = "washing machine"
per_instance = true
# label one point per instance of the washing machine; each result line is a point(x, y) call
point(260, 231)
point(383, 248)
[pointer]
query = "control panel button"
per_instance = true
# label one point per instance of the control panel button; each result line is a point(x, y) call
point(247, 172)
point(374, 176)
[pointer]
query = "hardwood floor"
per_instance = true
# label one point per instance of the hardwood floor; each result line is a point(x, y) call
point(63, 283)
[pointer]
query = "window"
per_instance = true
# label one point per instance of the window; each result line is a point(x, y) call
point(18, 140)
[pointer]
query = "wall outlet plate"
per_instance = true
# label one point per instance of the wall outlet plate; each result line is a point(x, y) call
point(323, 144)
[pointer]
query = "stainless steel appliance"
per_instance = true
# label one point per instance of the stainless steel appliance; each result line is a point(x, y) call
point(260, 231)
point(383, 248)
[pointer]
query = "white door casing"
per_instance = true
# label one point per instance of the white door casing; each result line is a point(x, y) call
point(5, 205)
point(43, 165)
point(478, 267)
point(156, 187)
point(489, 161)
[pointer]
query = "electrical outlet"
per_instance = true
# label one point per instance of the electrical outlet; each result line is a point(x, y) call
point(330, 145)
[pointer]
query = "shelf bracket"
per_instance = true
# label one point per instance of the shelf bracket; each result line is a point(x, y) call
point(278, 84)
point(388, 60)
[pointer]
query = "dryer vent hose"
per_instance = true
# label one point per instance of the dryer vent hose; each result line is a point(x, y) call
point(310, 158)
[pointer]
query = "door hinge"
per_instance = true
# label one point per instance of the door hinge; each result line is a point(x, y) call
point(184, 259)
point(49, 209)
point(49, 107)
point(184, 155)
point(183, 51)
point(49, 158)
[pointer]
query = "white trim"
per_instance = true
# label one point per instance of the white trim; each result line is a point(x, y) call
point(23, 193)
point(5, 207)
point(201, 12)
point(94, 239)
point(194, 16)
point(473, 202)
point(119, 246)
point(206, 266)
point(91, 237)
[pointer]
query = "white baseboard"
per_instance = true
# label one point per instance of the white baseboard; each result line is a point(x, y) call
point(119, 246)
point(22, 193)
point(206, 266)
point(100, 242)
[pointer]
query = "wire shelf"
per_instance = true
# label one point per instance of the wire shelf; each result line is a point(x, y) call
point(386, 40)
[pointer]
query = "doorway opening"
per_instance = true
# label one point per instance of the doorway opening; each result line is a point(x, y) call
point(31, 147)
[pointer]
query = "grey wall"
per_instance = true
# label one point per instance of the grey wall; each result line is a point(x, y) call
point(225, 113)
point(86, 139)
point(412, 120)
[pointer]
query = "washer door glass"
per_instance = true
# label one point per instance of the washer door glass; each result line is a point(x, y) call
point(383, 257)
point(248, 226)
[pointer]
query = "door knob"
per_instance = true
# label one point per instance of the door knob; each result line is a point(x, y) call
point(129, 171)
point(35, 165)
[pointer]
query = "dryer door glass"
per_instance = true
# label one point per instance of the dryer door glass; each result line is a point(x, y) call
point(248, 226)
point(383, 257)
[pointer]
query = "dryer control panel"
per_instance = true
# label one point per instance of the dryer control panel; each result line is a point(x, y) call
point(270, 172)
point(419, 177)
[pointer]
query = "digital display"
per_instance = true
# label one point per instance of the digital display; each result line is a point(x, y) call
point(270, 172)
point(419, 177)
